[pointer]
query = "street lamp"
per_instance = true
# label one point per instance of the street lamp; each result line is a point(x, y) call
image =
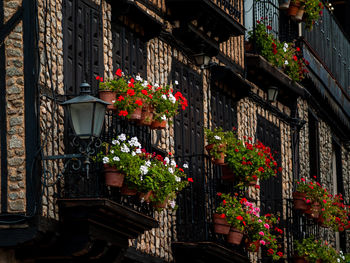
point(86, 113)
point(272, 93)
point(201, 59)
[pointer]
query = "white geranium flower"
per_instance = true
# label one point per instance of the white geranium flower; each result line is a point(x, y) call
point(133, 153)
point(105, 160)
point(138, 151)
point(166, 159)
point(164, 97)
point(177, 179)
point(171, 170)
point(338, 259)
point(163, 118)
point(144, 84)
point(113, 101)
point(148, 163)
point(176, 82)
point(286, 62)
point(138, 78)
point(217, 137)
point(116, 158)
point(124, 148)
point(143, 169)
point(114, 142)
point(172, 203)
point(173, 163)
point(185, 165)
point(156, 85)
point(141, 178)
point(285, 45)
point(122, 137)
point(172, 98)
point(284, 49)
point(112, 151)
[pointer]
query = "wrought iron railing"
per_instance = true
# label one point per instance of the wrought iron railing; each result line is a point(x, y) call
point(71, 176)
point(198, 203)
point(332, 46)
point(231, 7)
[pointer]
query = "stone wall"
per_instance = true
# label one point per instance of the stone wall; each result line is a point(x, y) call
point(15, 113)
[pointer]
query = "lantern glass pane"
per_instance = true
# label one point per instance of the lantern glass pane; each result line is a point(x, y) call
point(81, 114)
point(100, 111)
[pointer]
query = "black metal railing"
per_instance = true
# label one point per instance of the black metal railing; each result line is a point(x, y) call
point(198, 203)
point(332, 46)
point(72, 177)
point(232, 7)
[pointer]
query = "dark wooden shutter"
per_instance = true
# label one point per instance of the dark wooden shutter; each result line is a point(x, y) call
point(189, 137)
point(223, 108)
point(271, 189)
point(83, 57)
point(314, 146)
point(129, 51)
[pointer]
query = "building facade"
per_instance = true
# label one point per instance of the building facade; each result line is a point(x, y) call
point(53, 209)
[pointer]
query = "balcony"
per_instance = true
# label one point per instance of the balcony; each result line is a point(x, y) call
point(96, 220)
point(203, 24)
point(327, 48)
point(195, 240)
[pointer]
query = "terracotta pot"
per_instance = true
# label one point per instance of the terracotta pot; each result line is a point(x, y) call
point(161, 205)
point(125, 190)
point(146, 115)
point(146, 196)
point(227, 174)
point(220, 225)
point(248, 46)
point(298, 259)
point(299, 15)
point(158, 125)
point(136, 115)
point(219, 161)
point(252, 183)
point(112, 176)
point(253, 246)
point(314, 210)
point(293, 8)
point(299, 201)
point(108, 96)
point(234, 236)
point(284, 4)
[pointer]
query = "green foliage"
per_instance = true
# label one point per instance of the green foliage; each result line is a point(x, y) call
point(313, 11)
point(220, 140)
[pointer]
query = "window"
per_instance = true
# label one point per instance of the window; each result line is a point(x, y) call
point(82, 37)
point(314, 146)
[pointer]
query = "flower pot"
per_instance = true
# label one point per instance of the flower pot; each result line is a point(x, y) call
point(299, 201)
point(284, 4)
point(112, 176)
point(108, 96)
point(125, 190)
point(227, 174)
point(253, 246)
point(234, 236)
point(220, 225)
point(298, 259)
point(219, 161)
point(248, 46)
point(158, 125)
point(146, 116)
point(136, 115)
point(161, 204)
point(146, 196)
point(252, 183)
point(299, 15)
point(293, 8)
point(314, 210)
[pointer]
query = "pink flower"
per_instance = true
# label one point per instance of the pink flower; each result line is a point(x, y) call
point(308, 201)
point(257, 209)
point(266, 226)
point(261, 233)
point(259, 220)
point(262, 242)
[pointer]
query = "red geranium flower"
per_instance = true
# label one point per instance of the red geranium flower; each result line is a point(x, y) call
point(144, 92)
point(118, 72)
point(130, 92)
point(222, 215)
point(123, 113)
point(190, 180)
point(138, 102)
point(120, 98)
point(240, 218)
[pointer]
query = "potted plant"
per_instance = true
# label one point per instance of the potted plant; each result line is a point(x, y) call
point(294, 7)
point(231, 208)
point(282, 55)
point(107, 92)
point(284, 4)
point(250, 162)
point(166, 105)
point(218, 141)
point(313, 11)
point(161, 180)
point(120, 159)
